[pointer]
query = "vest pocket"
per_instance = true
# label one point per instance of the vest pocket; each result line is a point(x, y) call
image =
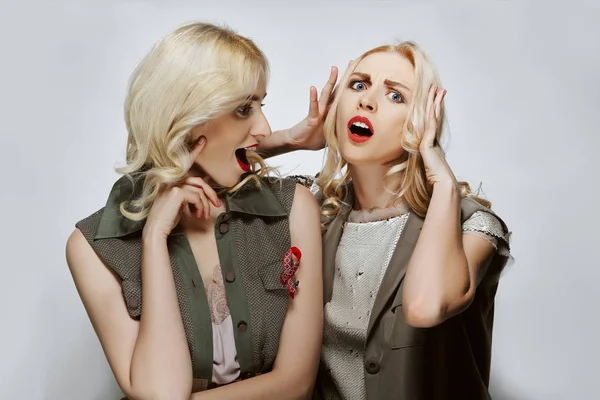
point(270, 276)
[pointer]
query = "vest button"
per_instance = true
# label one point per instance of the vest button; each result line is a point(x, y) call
point(230, 276)
point(223, 227)
point(133, 303)
point(226, 217)
point(372, 367)
point(242, 326)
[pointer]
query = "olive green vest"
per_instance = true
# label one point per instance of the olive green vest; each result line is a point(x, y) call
point(252, 237)
point(447, 362)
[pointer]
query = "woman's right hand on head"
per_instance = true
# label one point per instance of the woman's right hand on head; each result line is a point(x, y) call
point(174, 201)
point(308, 133)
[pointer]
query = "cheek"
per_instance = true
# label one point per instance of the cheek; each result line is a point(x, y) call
point(344, 113)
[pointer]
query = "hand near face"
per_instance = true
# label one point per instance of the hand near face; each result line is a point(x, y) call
point(308, 133)
point(175, 201)
point(436, 166)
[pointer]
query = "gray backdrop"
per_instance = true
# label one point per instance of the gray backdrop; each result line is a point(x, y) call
point(523, 98)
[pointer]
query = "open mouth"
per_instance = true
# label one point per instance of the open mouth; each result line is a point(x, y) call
point(360, 129)
point(242, 158)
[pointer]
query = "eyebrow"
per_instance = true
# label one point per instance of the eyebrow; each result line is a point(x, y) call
point(389, 83)
point(256, 98)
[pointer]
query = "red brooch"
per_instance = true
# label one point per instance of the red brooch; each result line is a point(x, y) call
point(291, 262)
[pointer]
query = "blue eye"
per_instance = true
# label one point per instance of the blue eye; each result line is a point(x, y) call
point(395, 97)
point(358, 85)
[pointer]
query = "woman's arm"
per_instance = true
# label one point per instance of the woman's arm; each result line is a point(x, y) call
point(446, 266)
point(137, 352)
point(297, 360)
point(150, 358)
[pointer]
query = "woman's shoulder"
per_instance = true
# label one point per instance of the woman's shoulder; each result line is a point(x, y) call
point(89, 225)
point(288, 190)
point(480, 220)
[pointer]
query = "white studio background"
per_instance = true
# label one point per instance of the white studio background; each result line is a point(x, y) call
point(523, 100)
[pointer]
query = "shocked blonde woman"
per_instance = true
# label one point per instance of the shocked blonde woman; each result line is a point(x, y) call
point(411, 259)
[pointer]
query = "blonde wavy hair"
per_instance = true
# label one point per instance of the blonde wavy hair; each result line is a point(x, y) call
point(194, 74)
point(414, 187)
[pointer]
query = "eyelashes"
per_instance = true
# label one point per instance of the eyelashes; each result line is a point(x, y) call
point(246, 109)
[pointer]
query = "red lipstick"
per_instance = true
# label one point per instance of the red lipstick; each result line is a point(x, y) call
point(242, 160)
point(360, 129)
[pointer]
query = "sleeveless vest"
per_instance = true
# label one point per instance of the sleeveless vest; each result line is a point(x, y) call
point(446, 362)
point(252, 237)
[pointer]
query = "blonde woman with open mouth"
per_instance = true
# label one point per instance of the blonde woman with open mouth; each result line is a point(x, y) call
point(411, 258)
point(202, 275)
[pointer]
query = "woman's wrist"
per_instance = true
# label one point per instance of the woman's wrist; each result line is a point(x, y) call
point(153, 237)
point(449, 186)
point(278, 143)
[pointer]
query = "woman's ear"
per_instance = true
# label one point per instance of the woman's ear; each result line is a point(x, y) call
point(195, 150)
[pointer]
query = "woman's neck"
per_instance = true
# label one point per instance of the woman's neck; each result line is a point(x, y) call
point(370, 186)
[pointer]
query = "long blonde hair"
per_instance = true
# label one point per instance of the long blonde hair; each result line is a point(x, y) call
point(414, 188)
point(194, 74)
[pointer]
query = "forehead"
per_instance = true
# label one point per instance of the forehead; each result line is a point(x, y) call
point(387, 65)
point(260, 90)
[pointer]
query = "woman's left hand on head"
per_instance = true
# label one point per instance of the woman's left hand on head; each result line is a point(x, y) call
point(308, 133)
point(436, 166)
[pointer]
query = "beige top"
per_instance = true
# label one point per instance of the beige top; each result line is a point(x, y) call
point(226, 368)
point(364, 252)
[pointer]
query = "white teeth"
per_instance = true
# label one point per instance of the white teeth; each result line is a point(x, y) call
point(250, 148)
point(361, 125)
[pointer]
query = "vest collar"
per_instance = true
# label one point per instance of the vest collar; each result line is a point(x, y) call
point(247, 200)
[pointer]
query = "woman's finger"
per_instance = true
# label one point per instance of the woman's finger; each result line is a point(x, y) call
point(205, 205)
point(328, 89)
point(208, 191)
point(438, 102)
point(313, 107)
point(430, 98)
point(190, 197)
point(201, 200)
